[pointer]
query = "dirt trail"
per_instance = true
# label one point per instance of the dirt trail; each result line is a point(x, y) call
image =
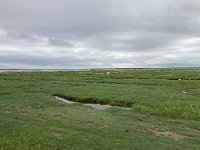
point(174, 135)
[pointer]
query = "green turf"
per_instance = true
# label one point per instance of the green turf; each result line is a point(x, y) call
point(165, 110)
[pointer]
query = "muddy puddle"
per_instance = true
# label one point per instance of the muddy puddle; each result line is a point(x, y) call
point(96, 106)
point(64, 100)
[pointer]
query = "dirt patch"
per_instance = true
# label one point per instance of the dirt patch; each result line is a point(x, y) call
point(24, 113)
point(164, 133)
point(56, 133)
point(13, 109)
point(43, 120)
point(8, 112)
point(140, 130)
point(143, 119)
point(89, 123)
point(38, 106)
point(58, 117)
point(105, 125)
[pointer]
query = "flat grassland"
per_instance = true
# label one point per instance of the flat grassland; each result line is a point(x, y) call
point(165, 110)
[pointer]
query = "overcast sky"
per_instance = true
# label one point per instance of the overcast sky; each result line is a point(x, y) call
point(99, 33)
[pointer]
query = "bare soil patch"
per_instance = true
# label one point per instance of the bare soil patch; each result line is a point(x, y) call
point(56, 133)
point(171, 134)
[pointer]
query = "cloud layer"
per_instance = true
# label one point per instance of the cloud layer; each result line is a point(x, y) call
point(100, 33)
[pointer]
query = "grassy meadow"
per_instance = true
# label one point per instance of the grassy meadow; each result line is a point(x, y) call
point(165, 110)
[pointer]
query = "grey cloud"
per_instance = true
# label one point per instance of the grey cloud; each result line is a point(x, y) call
point(60, 42)
point(23, 36)
point(66, 27)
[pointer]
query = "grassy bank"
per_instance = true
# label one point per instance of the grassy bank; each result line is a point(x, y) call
point(165, 110)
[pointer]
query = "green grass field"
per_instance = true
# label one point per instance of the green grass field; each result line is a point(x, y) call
point(165, 110)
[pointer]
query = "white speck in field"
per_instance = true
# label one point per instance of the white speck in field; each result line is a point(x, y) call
point(184, 92)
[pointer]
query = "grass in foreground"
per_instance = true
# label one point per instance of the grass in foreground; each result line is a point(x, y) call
point(31, 118)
